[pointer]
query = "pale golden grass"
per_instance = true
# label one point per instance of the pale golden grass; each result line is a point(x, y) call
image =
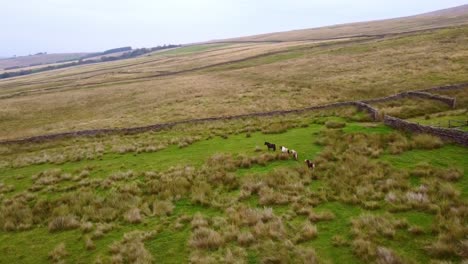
point(303, 78)
point(455, 16)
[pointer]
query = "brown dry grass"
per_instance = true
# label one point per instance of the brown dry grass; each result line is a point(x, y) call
point(448, 17)
point(104, 95)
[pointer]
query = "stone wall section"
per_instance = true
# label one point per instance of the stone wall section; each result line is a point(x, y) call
point(455, 135)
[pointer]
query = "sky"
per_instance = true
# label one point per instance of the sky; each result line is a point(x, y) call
point(58, 26)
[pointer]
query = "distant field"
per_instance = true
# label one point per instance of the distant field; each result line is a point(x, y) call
point(26, 61)
point(258, 76)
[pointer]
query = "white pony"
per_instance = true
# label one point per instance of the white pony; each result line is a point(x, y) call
point(284, 149)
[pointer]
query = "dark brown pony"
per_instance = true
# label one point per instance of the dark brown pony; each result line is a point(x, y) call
point(270, 146)
point(310, 164)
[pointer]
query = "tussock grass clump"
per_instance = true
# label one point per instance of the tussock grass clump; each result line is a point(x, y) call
point(5, 188)
point(162, 208)
point(371, 226)
point(416, 230)
point(206, 238)
point(339, 241)
point(101, 229)
point(15, 214)
point(387, 256)
point(58, 254)
point(245, 238)
point(86, 227)
point(364, 249)
point(132, 249)
point(426, 141)
point(61, 223)
point(307, 232)
point(89, 243)
point(398, 143)
point(198, 221)
point(122, 175)
point(133, 216)
point(367, 231)
point(320, 216)
point(425, 170)
point(236, 255)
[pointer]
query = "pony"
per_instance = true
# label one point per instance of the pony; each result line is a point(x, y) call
point(310, 164)
point(293, 153)
point(284, 149)
point(270, 146)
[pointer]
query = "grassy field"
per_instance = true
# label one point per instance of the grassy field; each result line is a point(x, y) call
point(212, 193)
point(449, 119)
point(258, 76)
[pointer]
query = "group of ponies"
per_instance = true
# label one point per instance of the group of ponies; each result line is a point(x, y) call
point(291, 152)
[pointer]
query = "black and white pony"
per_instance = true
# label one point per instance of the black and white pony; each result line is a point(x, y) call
point(310, 164)
point(270, 146)
point(284, 149)
point(289, 151)
point(293, 153)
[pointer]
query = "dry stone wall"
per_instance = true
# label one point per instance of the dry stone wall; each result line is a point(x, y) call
point(457, 136)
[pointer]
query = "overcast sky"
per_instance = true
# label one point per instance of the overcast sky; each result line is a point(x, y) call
point(31, 26)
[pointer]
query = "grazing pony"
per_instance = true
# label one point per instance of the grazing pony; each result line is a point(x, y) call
point(270, 146)
point(284, 149)
point(293, 153)
point(310, 164)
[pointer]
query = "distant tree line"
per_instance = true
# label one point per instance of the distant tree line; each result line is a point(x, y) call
point(129, 54)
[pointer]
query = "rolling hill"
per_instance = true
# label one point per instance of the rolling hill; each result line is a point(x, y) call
point(212, 79)
point(219, 190)
point(437, 19)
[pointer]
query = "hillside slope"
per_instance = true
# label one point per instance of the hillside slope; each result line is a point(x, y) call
point(437, 19)
point(215, 80)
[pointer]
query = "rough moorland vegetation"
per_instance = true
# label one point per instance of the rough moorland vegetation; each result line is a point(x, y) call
point(376, 195)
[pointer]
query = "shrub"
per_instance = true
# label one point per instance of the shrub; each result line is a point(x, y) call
point(206, 238)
